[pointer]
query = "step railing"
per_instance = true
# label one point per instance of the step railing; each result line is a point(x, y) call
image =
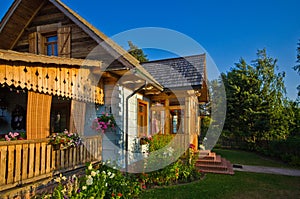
point(26, 161)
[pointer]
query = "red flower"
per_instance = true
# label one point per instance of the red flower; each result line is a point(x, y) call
point(192, 146)
point(113, 195)
point(120, 195)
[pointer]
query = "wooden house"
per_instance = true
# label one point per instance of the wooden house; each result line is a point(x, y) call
point(59, 72)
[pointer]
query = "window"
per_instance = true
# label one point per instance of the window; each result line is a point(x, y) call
point(60, 115)
point(51, 40)
point(177, 122)
point(51, 45)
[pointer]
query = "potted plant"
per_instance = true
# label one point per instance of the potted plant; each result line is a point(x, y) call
point(14, 136)
point(64, 140)
point(102, 123)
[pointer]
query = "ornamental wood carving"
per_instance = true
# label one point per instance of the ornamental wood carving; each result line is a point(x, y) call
point(75, 83)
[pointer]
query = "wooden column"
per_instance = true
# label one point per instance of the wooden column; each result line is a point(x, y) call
point(167, 125)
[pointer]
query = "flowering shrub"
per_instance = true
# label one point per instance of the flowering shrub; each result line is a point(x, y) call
point(159, 141)
point(100, 182)
point(66, 139)
point(104, 122)
point(177, 172)
point(14, 136)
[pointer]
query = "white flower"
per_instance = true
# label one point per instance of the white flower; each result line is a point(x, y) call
point(97, 172)
point(112, 175)
point(89, 181)
point(90, 167)
point(106, 184)
point(58, 180)
point(93, 173)
point(64, 190)
point(109, 173)
point(104, 172)
point(64, 178)
point(83, 187)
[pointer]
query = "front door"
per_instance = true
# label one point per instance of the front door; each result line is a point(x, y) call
point(142, 119)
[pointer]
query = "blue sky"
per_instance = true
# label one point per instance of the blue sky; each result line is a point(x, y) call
point(228, 30)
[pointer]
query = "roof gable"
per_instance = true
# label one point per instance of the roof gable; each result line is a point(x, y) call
point(23, 12)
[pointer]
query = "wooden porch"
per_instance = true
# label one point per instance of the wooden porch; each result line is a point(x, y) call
point(27, 161)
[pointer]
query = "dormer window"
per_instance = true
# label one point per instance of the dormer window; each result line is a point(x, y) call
point(51, 45)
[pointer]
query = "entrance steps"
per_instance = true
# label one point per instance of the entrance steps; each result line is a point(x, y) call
point(210, 162)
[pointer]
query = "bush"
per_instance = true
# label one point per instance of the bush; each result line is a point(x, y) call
point(101, 182)
point(159, 141)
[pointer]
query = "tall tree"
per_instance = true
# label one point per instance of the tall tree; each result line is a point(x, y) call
point(297, 67)
point(256, 100)
point(137, 52)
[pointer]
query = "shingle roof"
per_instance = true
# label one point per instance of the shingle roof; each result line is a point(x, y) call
point(178, 72)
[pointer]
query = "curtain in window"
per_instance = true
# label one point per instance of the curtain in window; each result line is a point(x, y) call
point(77, 119)
point(38, 115)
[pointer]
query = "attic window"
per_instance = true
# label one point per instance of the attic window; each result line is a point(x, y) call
point(51, 45)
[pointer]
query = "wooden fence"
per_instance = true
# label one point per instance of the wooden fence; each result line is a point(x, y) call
point(27, 161)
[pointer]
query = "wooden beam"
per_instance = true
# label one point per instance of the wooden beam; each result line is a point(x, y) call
point(28, 22)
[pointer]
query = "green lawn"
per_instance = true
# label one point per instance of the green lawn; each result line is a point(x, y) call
point(240, 185)
point(248, 158)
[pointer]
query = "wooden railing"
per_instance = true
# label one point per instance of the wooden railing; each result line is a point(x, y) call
point(26, 161)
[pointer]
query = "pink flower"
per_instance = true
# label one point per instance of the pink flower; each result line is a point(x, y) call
point(7, 138)
point(16, 134)
point(11, 134)
point(106, 114)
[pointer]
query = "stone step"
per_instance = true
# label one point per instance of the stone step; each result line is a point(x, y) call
point(209, 162)
point(228, 172)
point(221, 167)
point(216, 160)
point(210, 156)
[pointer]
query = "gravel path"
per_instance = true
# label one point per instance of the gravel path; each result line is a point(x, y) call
point(263, 169)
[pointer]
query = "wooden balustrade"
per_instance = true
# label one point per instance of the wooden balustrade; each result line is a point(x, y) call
point(26, 161)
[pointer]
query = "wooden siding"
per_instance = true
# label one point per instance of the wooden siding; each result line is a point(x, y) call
point(23, 162)
point(81, 43)
point(22, 14)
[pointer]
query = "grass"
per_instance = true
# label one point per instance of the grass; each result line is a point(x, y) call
point(241, 185)
point(248, 158)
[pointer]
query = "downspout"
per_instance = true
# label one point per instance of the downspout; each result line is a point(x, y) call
point(127, 122)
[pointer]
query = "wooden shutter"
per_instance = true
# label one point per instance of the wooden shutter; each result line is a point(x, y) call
point(64, 42)
point(77, 120)
point(41, 44)
point(33, 45)
point(38, 115)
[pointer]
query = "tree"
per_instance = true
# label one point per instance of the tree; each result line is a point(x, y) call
point(137, 52)
point(297, 66)
point(256, 100)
